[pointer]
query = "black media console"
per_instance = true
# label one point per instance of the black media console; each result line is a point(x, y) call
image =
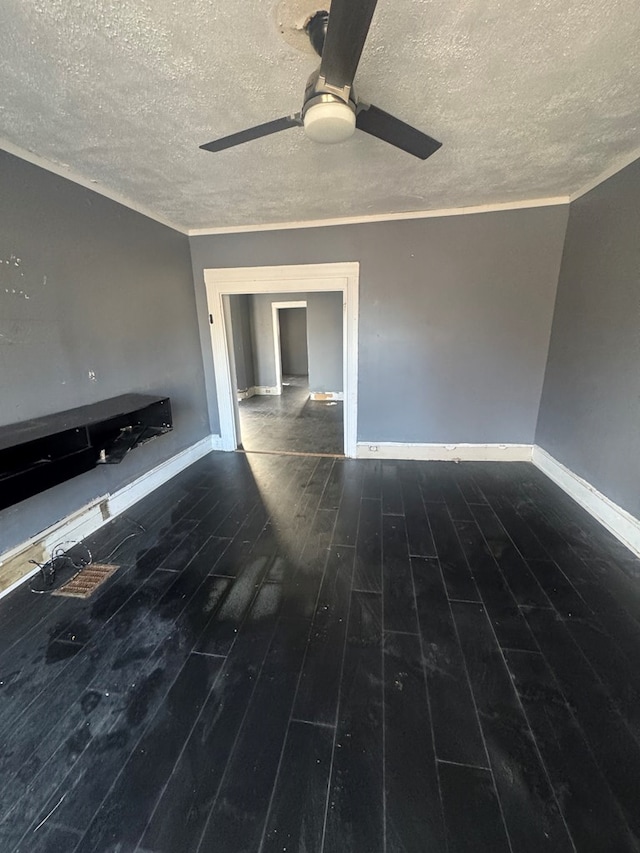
point(38, 454)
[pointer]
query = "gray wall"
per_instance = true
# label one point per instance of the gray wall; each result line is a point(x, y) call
point(455, 317)
point(324, 335)
point(293, 341)
point(324, 331)
point(590, 410)
point(240, 313)
point(100, 288)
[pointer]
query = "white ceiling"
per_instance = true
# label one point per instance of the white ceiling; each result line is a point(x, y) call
point(531, 99)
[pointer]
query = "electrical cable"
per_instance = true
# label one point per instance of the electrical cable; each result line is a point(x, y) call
point(60, 558)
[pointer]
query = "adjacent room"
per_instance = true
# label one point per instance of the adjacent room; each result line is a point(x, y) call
point(287, 357)
point(319, 427)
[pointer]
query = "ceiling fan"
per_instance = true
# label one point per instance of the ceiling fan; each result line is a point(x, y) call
point(331, 111)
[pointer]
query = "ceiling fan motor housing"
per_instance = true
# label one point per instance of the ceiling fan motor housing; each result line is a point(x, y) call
point(327, 118)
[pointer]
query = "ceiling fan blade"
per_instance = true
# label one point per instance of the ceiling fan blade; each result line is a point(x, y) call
point(349, 22)
point(254, 133)
point(390, 129)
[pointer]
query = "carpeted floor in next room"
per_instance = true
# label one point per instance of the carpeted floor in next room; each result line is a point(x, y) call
point(317, 654)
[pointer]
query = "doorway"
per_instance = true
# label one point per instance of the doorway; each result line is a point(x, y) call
point(290, 339)
point(288, 371)
point(303, 280)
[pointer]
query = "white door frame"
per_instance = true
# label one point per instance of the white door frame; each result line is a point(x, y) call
point(301, 278)
point(275, 314)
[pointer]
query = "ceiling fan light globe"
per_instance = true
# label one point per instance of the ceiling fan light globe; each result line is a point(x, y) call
point(329, 122)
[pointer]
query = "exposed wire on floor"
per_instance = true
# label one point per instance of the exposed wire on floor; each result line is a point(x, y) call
point(61, 558)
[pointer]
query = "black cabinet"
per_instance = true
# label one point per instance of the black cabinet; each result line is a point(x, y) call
point(40, 453)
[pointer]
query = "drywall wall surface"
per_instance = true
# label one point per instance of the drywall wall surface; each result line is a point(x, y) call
point(455, 316)
point(95, 301)
point(293, 341)
point(240, 311)
point(590, 409)
point(324, 335)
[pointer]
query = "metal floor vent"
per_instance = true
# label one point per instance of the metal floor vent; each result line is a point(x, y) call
point(87, 581)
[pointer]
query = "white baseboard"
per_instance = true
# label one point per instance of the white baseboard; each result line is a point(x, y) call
point(320, 396)
point(451, 452)
point(618, 521)
point(216, 442)
point(259, 391)
point(86, 520)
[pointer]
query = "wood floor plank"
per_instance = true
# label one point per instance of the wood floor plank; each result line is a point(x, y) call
point(457, 575)
point(613, 746)
point(238, 816)
point(346, 529)
point(530, 809)
point(419, 534)
point(355, 808)
point(412, 796)
point(392, 503)
point(372, 480)
point(523, 585)
point(507, 620)
point(368, 570)
point(123, 815)
point(594, 817)
point(194, 783)
point(471, 810)
point(399, 605)
point(455, 721)
point(297, 809)
point(317, 698)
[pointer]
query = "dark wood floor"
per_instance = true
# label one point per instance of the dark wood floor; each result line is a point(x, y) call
point(292, 422)
point(305, 654)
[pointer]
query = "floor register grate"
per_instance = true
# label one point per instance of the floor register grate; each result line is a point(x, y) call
point(87, 581)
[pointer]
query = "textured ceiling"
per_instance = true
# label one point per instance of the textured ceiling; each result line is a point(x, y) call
point(531, 98)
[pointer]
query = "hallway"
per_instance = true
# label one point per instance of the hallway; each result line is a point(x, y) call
point(291, 422)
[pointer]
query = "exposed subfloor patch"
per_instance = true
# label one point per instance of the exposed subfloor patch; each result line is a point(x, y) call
point(87, 581)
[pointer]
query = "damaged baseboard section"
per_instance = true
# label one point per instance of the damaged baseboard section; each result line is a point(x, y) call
point(443, 452)
point(324, 396)
point(14, 564)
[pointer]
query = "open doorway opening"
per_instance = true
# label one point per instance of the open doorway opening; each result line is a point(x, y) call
point(295, 283)
point(286, 356)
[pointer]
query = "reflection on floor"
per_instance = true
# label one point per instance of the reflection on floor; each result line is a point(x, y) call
point(291, 422)
point(316, 654)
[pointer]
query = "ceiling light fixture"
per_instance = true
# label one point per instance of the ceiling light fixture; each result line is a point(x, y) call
point(328, 119)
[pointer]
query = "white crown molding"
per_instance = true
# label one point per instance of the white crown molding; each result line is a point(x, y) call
point(618, 521)
point(383, 217)
point(617, 166)
point(462, 452)
point(66, 172)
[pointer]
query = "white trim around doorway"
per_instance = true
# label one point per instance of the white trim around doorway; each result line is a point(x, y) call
point(275, 316)
point(303, 278)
